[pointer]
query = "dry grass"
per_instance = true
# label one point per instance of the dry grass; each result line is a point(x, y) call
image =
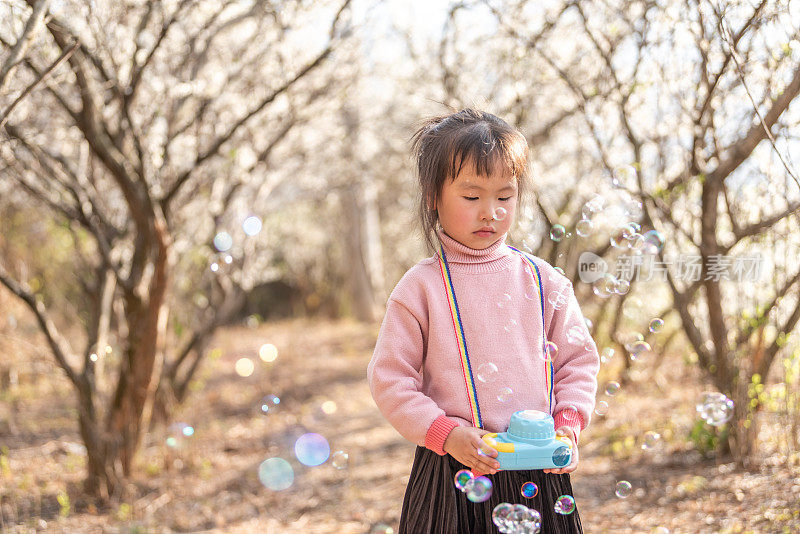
point(211, 485)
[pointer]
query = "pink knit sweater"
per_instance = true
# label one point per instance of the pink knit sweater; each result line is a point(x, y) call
point(415, 374)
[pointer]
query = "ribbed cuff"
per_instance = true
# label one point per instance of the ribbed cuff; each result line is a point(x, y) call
point(438, 432)
point(571, 419)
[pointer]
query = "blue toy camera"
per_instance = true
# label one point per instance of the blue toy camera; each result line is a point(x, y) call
point(530, 443)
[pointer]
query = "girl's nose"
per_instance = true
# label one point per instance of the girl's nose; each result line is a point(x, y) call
point(487, 213)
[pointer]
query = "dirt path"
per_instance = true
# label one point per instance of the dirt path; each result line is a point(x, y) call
point(212, 484)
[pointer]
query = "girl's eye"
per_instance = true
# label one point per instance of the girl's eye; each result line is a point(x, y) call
point(504, 199)
point(471, 198)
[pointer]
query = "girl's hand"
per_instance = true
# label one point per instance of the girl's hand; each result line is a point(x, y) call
point(464, 443)
point(566, 431)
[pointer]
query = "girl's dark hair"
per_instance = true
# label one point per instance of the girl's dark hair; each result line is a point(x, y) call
point(442, 145)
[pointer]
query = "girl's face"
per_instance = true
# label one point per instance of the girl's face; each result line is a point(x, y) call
point(468, 207)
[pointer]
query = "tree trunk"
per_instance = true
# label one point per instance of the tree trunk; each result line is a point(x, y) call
point(361, 288)
point(146, 314)
point(742, 440)
point(361, 291)
point(373, 245)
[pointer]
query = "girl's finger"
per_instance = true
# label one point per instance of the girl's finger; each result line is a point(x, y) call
point(490, 465)
point(485, 448)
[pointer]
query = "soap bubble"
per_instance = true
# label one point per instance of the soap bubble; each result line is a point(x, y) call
point(629, 338)
point(620, 235)
point(505, 394)
point(653, 242)
point(621, 286)
point(312, 449)
point(532, 291)
point(715, 408)
point(214, 267)
point(570, 413)
point(601, 408)
point(487, 372)
point(501, 516)
point(576, 335)
point(381, 528)
point(462, 478)
point(633, 209)
point(623, 489)
point(605, 286)
point(656, 325)
point(524, 519)
point(592, 207)
point(529, 490)
point(500, 214)
point(478, 489)
point(565, 505)
point(639, 349)
point(504, 300)
point(269, 404)
point(557, 232)
point(550, 351)
point(557, 298)
point(251, 225)
point(510, 326)
point(276, 474)
point(636, 243)
point(651, 439)
point(612, 388)
point(340, 459)
point(607, 354)
point(223, 241)
point(584, 227)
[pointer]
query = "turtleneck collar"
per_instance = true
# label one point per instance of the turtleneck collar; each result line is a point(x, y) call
point(493, 258)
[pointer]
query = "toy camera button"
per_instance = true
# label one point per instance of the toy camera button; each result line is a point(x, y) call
point(490, 440)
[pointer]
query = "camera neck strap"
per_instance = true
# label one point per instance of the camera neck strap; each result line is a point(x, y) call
point(461, 341)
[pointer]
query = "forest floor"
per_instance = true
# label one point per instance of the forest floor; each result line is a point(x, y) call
point(211, 483)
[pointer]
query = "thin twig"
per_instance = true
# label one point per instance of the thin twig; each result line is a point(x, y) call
point(63, 57)
point(727, 36)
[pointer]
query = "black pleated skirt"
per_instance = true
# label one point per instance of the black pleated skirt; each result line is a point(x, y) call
point(433, 505)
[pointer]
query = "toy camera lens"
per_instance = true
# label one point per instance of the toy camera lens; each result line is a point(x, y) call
point(561, 456)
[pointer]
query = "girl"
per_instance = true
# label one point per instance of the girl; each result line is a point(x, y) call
point(476, 332)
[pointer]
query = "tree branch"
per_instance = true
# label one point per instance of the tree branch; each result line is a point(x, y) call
point(21, 47)
point(58, 344)
point(64, 56)
point(741, 149)
point(215, 146)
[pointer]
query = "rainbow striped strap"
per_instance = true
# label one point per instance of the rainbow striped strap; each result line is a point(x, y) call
point(548, 361)
point(469, 381)
point(458, 327)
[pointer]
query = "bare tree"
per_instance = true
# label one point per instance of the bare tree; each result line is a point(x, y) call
point(691, 101)
point(129, 140)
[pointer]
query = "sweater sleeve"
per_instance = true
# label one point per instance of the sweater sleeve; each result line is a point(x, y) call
point(395, 380)
point(575, 364)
